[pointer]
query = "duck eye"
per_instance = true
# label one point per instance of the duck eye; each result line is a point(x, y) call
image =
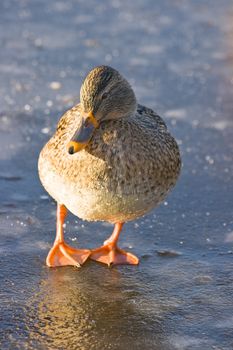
point(104, 96)
point(87, 122)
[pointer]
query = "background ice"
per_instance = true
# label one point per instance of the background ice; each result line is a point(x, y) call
point(178, 55)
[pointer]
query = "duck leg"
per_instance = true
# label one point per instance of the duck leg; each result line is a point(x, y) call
point(110, 254)
point(61, 254)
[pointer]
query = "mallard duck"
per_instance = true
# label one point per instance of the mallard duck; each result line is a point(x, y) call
point(110, 159)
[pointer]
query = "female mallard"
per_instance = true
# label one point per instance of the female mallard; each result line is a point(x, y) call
point(110, 159)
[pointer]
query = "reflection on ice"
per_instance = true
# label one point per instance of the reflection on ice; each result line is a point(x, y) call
point(78, 307)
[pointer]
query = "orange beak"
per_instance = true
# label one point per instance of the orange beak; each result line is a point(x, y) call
point(83, 134)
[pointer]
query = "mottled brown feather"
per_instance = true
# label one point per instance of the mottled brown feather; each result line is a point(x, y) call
point(127, 169)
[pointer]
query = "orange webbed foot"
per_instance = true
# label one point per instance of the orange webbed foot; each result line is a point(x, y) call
point(112, 255)
point(61, 254)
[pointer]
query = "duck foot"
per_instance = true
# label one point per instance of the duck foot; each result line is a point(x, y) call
point(61, 254)
point(112, 255)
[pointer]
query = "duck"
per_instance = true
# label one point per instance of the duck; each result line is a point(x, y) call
point(110, 159)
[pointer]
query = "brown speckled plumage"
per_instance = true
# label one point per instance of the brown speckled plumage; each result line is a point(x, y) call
point(127, 168)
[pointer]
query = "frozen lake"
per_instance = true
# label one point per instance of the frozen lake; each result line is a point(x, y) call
point(178, 56)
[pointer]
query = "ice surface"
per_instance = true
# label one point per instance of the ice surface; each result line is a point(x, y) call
point(178, 57)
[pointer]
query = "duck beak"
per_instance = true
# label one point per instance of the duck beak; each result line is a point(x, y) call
point(83, 134)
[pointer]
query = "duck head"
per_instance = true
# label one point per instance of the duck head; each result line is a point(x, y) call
point(104, 95)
